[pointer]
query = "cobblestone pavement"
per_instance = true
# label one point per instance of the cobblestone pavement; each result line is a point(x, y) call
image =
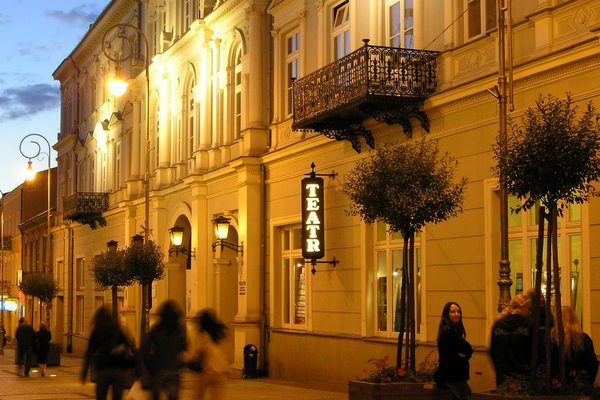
point(62, 383)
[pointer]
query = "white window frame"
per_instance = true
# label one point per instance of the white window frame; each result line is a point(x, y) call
point(290, 256)
point(340, 30)
point(406, 29)
point(479, 19)
point(237, 84)
point(292, 46)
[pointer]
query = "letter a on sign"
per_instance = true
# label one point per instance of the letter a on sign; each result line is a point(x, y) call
point(313, 229)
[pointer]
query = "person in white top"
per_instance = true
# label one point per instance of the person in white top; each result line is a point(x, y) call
point(205, 355)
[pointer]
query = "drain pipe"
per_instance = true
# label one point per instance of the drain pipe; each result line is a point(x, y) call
point(264, 338)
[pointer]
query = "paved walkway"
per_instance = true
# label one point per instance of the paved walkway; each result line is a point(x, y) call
point(62, 383)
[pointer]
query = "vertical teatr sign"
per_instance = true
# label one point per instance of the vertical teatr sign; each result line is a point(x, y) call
point(313, 235)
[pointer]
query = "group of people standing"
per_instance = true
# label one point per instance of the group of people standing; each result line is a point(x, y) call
point(30, 343)
point(511, 346)
point(164, 351)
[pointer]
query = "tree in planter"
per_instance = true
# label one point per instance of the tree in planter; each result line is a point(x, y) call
point(144, 263)
point(405, 185)
point(551, 158)
point(108, 270)
point(42, 286)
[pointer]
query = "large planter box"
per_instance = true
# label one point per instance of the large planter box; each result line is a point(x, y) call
point(495, 396)
point(361, 390)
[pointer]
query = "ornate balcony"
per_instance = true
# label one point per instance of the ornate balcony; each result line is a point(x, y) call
point(86, 208)
point(388, 84)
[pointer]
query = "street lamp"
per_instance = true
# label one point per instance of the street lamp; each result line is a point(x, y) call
point(31, 174)
point(118, 87)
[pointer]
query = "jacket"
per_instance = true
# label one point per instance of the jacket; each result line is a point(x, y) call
point(510, 347)
point(454, 354)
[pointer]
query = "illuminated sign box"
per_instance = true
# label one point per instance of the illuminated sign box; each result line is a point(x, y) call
point(313, 232)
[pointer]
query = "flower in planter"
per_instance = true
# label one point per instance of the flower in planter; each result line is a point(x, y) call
point(521, 386)
point(379, 370)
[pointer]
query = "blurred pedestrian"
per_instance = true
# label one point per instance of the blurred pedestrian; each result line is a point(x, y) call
point(42, 346)
point(110, 353)
point(162, 351)
point(510, 347)
point(580, 357)
point(25, 336)
point(205, 354)
point(454, 352)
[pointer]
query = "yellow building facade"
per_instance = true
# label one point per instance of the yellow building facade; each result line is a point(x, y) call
point(221, 133)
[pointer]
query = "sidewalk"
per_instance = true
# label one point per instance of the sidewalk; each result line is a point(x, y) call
point(62, 383)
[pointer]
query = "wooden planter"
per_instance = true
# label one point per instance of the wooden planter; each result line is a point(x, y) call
point(494, 396)
point(361, 390)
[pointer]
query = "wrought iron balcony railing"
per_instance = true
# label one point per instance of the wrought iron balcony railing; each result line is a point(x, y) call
point(85, 207)
point(385, 83)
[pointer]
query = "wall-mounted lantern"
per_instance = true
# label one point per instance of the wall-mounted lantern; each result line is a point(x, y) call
point(221, 225)
point(176, 234)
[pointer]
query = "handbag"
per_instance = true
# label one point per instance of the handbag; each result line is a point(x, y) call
point(122, 355)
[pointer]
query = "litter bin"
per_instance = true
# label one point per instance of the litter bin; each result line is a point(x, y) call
point(250, 362)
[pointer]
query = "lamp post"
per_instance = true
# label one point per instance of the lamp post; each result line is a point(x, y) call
point(36, 138)
point(118, 87)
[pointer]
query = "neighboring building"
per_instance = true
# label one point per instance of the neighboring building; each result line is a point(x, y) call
point(232, 135)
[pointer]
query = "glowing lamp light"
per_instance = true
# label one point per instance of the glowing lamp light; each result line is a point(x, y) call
point(176, 236)
point(221, 224)
point(118, 85)
point(30, 172)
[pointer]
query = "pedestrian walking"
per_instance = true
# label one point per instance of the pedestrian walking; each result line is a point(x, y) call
point(454, 352)
point(42, 347)
point(162, 351)
point(110, 353)
point(205, 355)
point(25, 336)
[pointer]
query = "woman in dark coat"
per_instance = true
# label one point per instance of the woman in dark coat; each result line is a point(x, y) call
point(112, 354)
point(42, 346)
point(454, 352)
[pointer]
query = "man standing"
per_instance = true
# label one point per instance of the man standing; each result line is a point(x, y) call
point(25, 336)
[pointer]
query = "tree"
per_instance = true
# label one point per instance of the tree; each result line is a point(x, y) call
point(42, 286)
point(551, 158)
point(144, 263)
point(406, 185)
point(108, 270)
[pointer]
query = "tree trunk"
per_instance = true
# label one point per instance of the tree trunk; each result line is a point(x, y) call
point(411, 301)
point(547, 308)
point(115, 302)
point(402, 305)
point(558, 300)
point(535, 308)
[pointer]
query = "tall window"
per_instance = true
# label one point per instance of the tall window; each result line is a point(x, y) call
point(189, 14)
point(293, 277)
point(292, 61)
point(522, 242)
point(341, 30)
point(400, 20)
point(237, 97)
point(80, 273)
point(190, 115)
point(481, 17)
point(388, 273)
point(79, 315)
point(117, 183)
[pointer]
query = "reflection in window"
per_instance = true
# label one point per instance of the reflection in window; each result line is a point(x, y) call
point(294, 285)
point(522, 249)
point(388, 274)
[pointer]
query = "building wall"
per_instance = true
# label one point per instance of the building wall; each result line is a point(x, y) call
point(253, 175)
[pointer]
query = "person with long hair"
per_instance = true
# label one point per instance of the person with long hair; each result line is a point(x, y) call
point(454, 352)
point(162, 351)
point(42, 346)
point(112, 354)
point(510, 347)
point(580, 356)
point(205, 353)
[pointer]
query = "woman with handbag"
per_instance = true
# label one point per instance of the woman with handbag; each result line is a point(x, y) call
point(110, 353)
point(205, 355)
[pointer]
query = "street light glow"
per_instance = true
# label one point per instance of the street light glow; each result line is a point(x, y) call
point(30, 172)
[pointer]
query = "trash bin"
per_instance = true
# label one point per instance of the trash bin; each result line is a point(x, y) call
point(250, 362)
